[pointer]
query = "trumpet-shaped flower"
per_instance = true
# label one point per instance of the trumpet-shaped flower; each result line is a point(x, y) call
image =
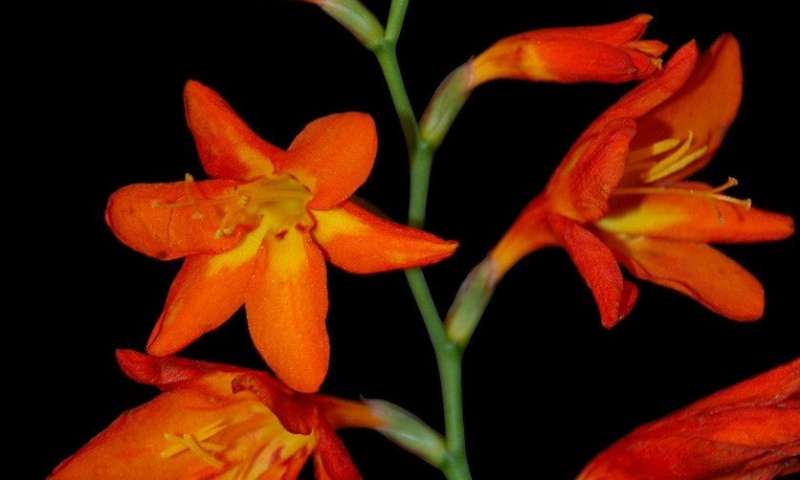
point(218, 421)
point(746, 432)
point(259, 231)
point(622, 195)
point(611, 53)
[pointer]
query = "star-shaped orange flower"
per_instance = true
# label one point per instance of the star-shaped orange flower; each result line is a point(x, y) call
point(621, 194)
point(259, 231)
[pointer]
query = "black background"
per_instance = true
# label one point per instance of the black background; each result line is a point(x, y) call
point(546, 387)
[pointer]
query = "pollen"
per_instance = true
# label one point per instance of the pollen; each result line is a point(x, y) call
point(197, 444)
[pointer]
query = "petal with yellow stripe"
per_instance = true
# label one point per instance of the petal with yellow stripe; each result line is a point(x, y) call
point(287, 302)
point(361, 242)
point(228, 148)
point(207, 291)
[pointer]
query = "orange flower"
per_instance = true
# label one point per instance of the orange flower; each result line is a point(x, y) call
point(218, 421)
point(258, 233)
point(606, 53)
point(746, 432)
point(620, 195)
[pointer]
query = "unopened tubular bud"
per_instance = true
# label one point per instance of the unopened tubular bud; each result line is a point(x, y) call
point(354, 16)
point(409, 432)
point(445, 105)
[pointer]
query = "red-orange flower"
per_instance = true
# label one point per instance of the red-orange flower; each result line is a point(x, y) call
point(606, 53)
point(621, 194)
point(218, 421)
point(258, 233)
point(749, 431)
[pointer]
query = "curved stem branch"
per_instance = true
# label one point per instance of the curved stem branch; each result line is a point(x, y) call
point(448, 354)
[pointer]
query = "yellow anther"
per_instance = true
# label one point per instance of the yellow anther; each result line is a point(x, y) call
point(195, 448)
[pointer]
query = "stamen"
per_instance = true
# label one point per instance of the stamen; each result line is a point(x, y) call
point(195, 448)
point(673, 162)
point(197, 443)
point(713, 193)
point(652, 150)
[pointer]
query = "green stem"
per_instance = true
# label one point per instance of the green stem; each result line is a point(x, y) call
point(386, 53)
point(448, 354)
point(448, 358)
point(397, 14)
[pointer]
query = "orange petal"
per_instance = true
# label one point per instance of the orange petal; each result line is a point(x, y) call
point(226, 145)
point(693, 218)
point(287, 303)
point(696, 270)
point(168, 373)
point(706, 105)
point(651, 92)
point(582, 184)
point(207, 291)
point(331, 460)
point(361, 242)
point(748, 431)
point(171, 220)
point(597, 266)
point(606, 53)
point(333, 156)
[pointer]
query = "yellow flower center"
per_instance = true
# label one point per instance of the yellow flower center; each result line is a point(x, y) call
point(656, 162)
point(281, 200)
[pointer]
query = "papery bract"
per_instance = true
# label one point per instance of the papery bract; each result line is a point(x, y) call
point(259, 231)
point(621, 194)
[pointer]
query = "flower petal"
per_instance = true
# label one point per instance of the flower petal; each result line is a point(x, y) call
point(696, 270)
point(597, 266)
point(651, 92)
point(207, 291)
point(694, 218)
point(746, 432)
point(287, 303)
point(226, 145)
point(170, 220)
point(360, 242)
point(582, 184)
point(331, 460)
point(332, 156)
point(706, 104)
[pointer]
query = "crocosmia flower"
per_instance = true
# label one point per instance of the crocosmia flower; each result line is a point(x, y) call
point(750, 431)
point(259, 231)
point(218, 421)
point(604, 53)
point(621, 194)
